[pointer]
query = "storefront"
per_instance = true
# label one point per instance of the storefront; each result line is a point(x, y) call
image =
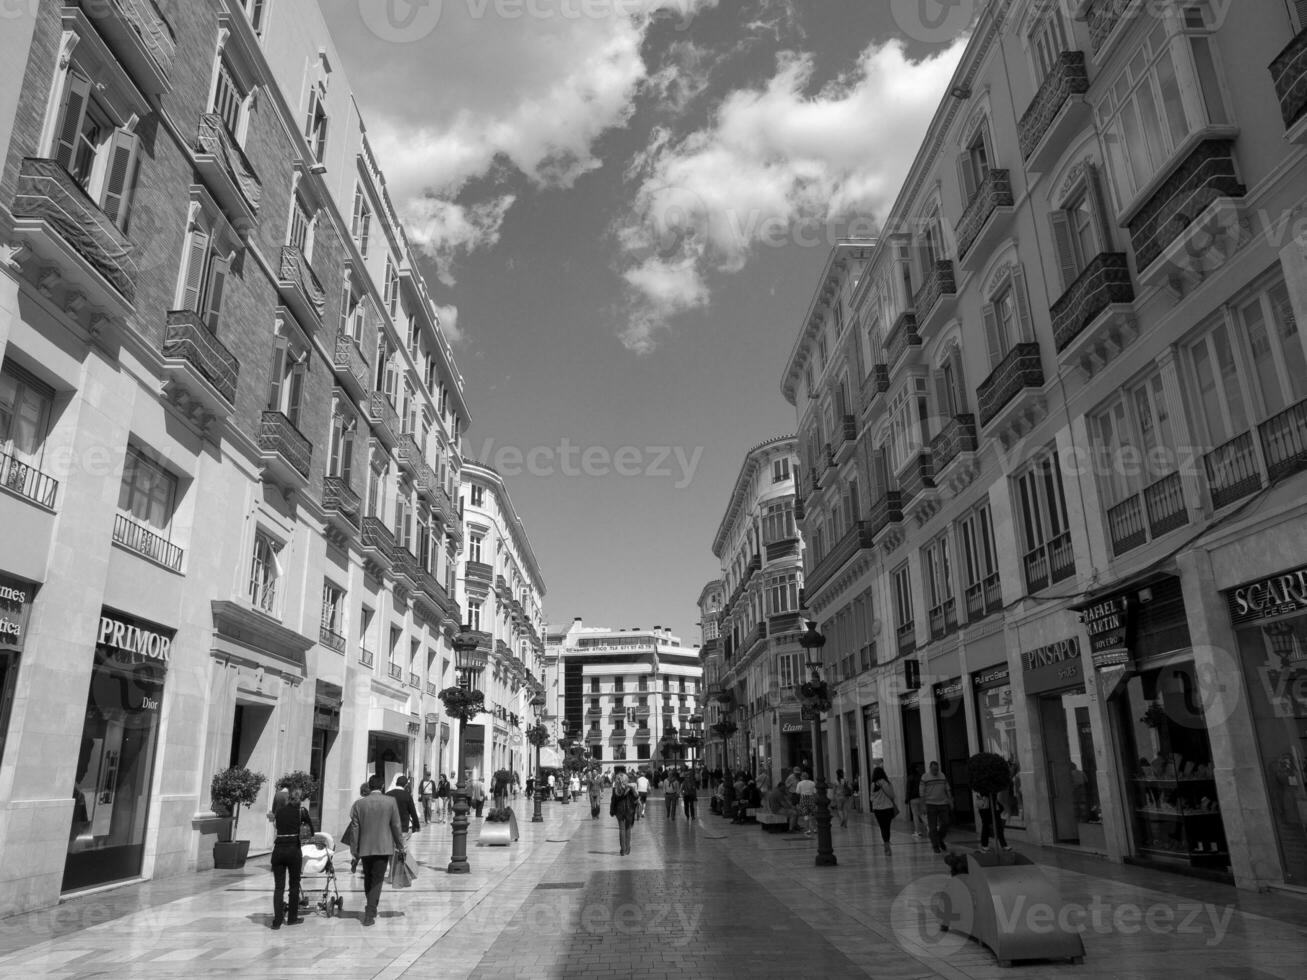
point(796, 737)
point(115, 764)
point(1270, 620)
point(914, 752)
point(15, 607)
point(1054, 676)
point(326, 727)
point(997, 730)
point(874, 741)
point(954, 746)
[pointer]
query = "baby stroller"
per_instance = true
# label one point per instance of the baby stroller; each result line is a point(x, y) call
point(317, 857)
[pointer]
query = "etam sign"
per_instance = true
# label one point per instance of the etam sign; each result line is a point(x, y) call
point(135, 640)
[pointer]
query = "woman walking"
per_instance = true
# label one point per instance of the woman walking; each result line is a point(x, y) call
point(806, 790)
point(671, 794)
point(843, 794)
point(882, 803)
point(286, 860)
point(595, 788)
point(623, 806)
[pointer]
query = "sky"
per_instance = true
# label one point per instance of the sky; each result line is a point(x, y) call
point(622, 208)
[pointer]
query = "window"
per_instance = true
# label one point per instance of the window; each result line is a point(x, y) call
point(979, 563)
point(974, 164)
point(780, 469)
point(390, 297)
point(98, 153)
point(333, 608)
point(352, 314)
point(930, 245)
point(1145, 118)
point(25, 407)
point(361, 224)
point(474, 542)
point(1081, 229)
point(366, 617)
point(478, 495)
point(474, 613)
point(778, 523)
point(230, 100)
point(301, 228)
point(315, 126)
point(642, 751)
point(937, 569)
point(148, 493)
point(265, 573)
point(903, 619)
point(1007, 318)
point(256, 11)
point(1133, 439)
point(594, 688)
point(908, 414)
point(783, 594)
point(286, 384)
point(1041, 513)
point(1047, 40)
point(403, 521)
point(205, 269)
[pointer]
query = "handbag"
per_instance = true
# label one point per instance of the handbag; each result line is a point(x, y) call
point(403, 870)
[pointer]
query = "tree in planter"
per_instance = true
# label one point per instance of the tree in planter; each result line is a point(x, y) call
point(299, 780)
point(990, 775)
point(234, 788)
point(500, 784)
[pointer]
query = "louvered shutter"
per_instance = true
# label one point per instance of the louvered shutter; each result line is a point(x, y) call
point(218, 271)
point(966, 178)
point(994, 339)
point(344, 307)
point(1299, 9)
point(77, 96)
point(308, 122)
point(197, 254)
point(358, 211)
point(942, 407)
point(274, 382)
point(1065, 244)
point(1104, 223)
point(1023, 305)
point(121, 176)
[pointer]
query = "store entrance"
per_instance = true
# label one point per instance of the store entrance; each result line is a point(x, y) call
point(1070, 766)
point(954, 751)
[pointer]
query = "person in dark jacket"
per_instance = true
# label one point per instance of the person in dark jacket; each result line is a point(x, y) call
point(623, 805)
point(287, 813)
point(408, 811)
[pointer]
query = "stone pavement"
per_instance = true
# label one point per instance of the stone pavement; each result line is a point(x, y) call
point(706, 899)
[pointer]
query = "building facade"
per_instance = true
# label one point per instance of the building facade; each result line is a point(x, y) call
point(711, 599)
point(1073, 380)
point(627, 694)
point(502, 593)
point(761, 556)
point(229, 440)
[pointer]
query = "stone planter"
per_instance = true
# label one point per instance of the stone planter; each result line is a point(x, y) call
point(499, 833)
point(228, 855)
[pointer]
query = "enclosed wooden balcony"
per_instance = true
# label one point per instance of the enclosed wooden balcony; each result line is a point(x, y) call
point(903, 343)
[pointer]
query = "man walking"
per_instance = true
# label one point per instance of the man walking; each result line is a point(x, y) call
point(916, 806)
point(408, 813)
point(938, 797)
point(427, 793)
point(375, 834)
point(642, 790)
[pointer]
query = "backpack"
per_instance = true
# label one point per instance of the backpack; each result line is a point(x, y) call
point(688, 790)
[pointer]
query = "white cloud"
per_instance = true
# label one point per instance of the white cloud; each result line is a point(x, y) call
point(774, 159)
point(448, 316)
point(444, 229)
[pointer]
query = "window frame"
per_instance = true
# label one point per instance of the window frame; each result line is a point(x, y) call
point(136, 461)
point(266, 572)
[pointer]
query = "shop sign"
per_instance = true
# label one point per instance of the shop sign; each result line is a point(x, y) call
point(910, 700)
point(136, 642)
point(948, 689)
point(993, 677)
point(1051, 667)
point(792, 726)
point(15, 606)
point(1108, 624)
point(1270, 597)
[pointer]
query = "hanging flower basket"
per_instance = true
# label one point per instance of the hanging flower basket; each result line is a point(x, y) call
point(462, 703)
point(815, 696)
point(1155, 716)
point(725, 729)
point(538, 735)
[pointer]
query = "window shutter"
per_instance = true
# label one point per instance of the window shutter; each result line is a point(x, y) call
point(218, 270)
point(942, 407)
point(966, 178)
point(1104, 223)
point(344, 307)
point(118, 183)
point(358, 211)
point(76, 97)
point(308, 121)
point(993, 337)
point(1065, 244)
point(1023, 305)
point(196, 254)
point(274, 382)
point(293, 397)
point(1299, 9)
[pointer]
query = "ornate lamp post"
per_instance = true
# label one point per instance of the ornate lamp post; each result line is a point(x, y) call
point(538, 736)
point(816, 699)
point(464, 702)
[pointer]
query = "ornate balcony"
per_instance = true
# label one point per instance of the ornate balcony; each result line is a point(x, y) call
point(425, 480)
point(1056, 114)
point(845, 438)
point(643, 735)
point(1094, 320)
point(27, 481)
point(284, 451)
point(934, 297)
point(478, 573)
point(408, 453)
point(147, 543)
point(917, 478)
point(1289, 73)
point(903, 343)
point(1232, 471)
point(340, 502)
point(414, 681)
point(432, 689)
point(227, 172)
point(395, 671)
point(1011, 399)
point(984, 598)
point(383, 418)
point(784, 623)
point(1192, 223)
point(856, 538)
point(1284, 442)
point(943, 619)
point(953, 452)
point(330, 639)
point(366, 657)
point(351, 366)
point(66, 230)
point(299, 288)
point(885, 513)
point(986, 219)
point(200, 373)
point(800, 511)
point(1108, 20)
point(378, 543)
point(874, 385)
point(1050, 563)
point(140, 38)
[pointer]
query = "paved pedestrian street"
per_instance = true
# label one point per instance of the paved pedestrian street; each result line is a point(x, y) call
point(703, 899)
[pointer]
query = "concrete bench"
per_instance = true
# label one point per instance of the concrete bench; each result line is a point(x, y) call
point(775, 823)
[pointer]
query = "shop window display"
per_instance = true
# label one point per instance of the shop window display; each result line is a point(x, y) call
point(1176, 814)
point(998, 734)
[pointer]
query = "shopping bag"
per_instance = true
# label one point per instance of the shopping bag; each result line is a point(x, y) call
point(402, 873)
point(594, 809)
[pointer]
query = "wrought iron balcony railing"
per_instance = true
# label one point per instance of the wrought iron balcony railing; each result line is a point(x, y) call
point(902, 339)
point(143, 541)
point(350, 364)
point(1067, 78)
point(943, 619)
point(377, 537)
point(1019, 370)
point(27, 481)
point(994, 192)
point(339, 497)
point(330, 639)
point(1232, 470)
point(186, 338)
point(1289, 75)
point(279, 437)
point(300, 287)
point(956, 436)
point(1104, 282)
point(884, 512)
point(1050, 563)
point(139, 36)
point(940, 282)
point(1284, 442)
point(366, 657)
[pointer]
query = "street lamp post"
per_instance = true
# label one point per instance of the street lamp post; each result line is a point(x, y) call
point(469, 666)
point(538, 702)
point(816, 700)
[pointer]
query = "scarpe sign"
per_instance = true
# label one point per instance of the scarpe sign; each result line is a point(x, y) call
point(1274, 596)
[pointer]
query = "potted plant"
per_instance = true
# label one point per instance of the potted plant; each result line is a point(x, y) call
point(230, 790)
point(462, 703)
point(990, 775)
